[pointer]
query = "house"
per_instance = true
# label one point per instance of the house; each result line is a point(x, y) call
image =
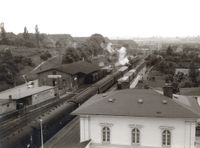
point(185, 71)
point(24, 96)
point(139, 118)
point(68, 76)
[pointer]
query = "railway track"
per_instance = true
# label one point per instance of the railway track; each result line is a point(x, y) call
point(11, 126)
point(19, 133)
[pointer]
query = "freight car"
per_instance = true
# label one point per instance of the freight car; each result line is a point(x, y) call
point(123, 70)
point(56, 118)
point(52, 121)
point(125, 81)
point(84, 95)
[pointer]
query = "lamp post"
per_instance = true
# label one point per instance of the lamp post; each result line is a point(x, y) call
point(42, 146)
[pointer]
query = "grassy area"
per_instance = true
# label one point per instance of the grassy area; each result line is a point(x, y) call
point(159, 80)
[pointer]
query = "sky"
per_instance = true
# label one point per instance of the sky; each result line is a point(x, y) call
point(111, 18)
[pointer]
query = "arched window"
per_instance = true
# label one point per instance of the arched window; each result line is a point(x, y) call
point(166, 138)
point(135, 136)
point(106, 134)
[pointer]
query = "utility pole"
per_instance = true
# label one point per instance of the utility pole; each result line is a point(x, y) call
point(42, 145)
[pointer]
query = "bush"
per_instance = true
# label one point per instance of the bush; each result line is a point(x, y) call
point(44, 56)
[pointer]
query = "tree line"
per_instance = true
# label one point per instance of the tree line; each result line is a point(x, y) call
point(25, 39)
point(93, 46)
point(11, 65)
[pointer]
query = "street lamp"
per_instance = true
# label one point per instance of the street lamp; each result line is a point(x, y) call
point(42, 146)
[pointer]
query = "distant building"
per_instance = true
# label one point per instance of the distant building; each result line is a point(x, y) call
point(185, 71)
point(136, 118)
point(24, 96)
point(70, 76)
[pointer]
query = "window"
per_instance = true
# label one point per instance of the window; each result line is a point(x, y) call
point(54, 72)
point(166, 138)
point(106, 135)
point(135, 136)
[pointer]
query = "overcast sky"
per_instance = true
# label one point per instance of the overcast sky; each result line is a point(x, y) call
point(112, 18)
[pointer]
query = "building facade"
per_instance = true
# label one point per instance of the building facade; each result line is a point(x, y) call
point(137, 118)
point(68, 76)
point(124, 131)
point(24, 96)
point(66, 81)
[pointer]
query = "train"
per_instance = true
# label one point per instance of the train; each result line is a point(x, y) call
point(57, 117)
point(125, 81)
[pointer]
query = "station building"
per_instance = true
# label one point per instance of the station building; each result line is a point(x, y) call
point(140, 118)
point(69, 76)
point(24, 96)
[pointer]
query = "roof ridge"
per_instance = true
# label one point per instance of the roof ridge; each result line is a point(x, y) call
point(186, 107)
point(180, 104)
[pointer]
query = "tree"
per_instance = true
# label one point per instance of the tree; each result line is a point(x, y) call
point(37, 36)
point(71, 55)
point(8, 67)
point(44, 56)
point(169, 50)
point(4, 39)
point(193, 72)
point(25, 33)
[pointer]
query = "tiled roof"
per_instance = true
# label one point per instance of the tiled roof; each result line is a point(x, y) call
point(74, 68)
point(135, 102)
point(23, 91)
point(49, 64)
point(78, 67)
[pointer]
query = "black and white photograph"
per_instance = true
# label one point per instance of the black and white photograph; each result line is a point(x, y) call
point(99, 74)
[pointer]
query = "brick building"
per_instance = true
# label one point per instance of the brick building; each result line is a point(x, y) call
point(70, 75)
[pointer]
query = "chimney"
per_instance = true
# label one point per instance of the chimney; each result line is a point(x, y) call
point(168, 90)
point(10, 97)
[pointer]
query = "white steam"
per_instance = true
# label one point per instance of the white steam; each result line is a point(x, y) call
point(121, 54)
point(109, 48)
point(122, 60)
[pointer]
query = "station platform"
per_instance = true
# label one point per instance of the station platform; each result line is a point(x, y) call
point(67, 137)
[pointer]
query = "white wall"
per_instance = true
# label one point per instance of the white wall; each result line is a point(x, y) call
point(150, 128)
point(43, 96)
point(8, 107)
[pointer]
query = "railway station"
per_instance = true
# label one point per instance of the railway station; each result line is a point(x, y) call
point(69, 76)
point(100, 74)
